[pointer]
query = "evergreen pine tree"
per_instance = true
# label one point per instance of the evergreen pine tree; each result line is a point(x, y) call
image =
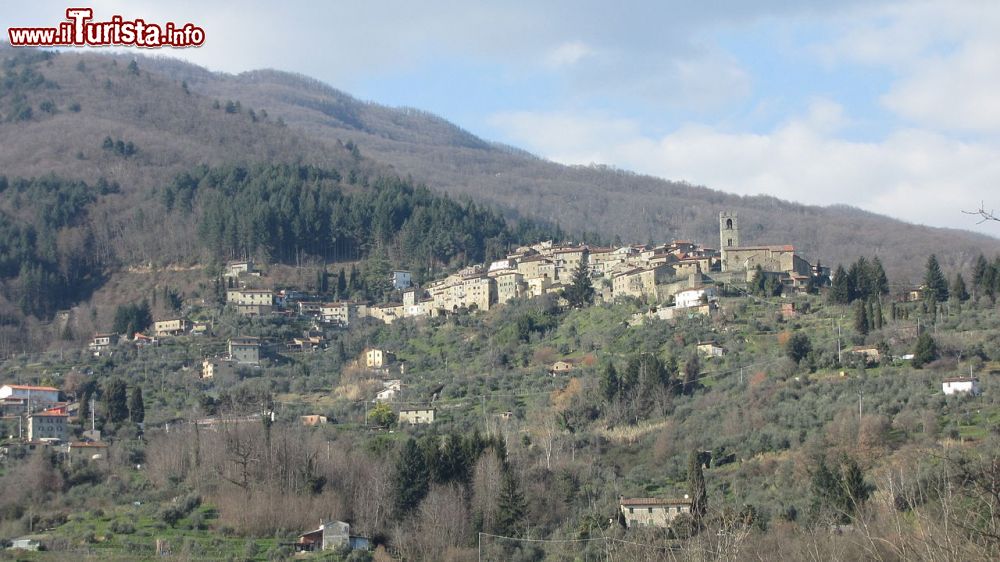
point(840, 290)
point(879, 317)
point(511, 508)
point(411, 477)
point(609, 382)
point(581, 290)
point(864, 278)
point(871, 316)
point(980, 272)
point(856, 490)
point(880, 282)
point(934, 281)
point(925, 351)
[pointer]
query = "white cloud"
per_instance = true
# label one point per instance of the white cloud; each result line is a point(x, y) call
point(567, 54)
point(916, 175)
point(945, 58)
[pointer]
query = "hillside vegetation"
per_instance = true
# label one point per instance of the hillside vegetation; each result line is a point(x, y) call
point(804, 448)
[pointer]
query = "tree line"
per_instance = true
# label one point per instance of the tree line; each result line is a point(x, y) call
point(289, 213)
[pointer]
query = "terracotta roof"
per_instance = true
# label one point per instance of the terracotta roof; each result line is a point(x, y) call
point(51, 414)
point(961, 379)
point(89, 444)
point(653, 501)
point(29, 387)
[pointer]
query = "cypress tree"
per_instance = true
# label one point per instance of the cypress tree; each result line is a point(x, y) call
point(341, 284)
point(696, 487)
point(860, 318)
point(934, 281)
point(115, 400)
point(136, 408)
point(691, 371)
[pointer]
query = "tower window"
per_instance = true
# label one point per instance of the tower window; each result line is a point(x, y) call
point(729, 224)
point(730, 242)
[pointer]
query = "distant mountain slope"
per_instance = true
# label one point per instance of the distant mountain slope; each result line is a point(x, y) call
point(608, 201)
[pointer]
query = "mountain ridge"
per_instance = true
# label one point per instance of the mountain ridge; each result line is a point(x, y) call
point(599, 198)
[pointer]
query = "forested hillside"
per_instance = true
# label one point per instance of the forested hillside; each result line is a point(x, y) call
point(110, 167)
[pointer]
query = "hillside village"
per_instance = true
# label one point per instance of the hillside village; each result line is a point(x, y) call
point(680, 277)
point(681, 273)
point(688, 285)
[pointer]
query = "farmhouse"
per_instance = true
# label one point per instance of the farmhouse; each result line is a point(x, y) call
point(961, 385)
point(652, 512)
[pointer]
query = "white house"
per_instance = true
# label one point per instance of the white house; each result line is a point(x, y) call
point(37, 394)
point(961, 385)
point(389, 391)
point(695, 296)
point(401, 280)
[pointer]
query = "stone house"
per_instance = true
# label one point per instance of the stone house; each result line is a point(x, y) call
point(560, 367)
point(870, 354)
point(510, 285)
point(251, 302)
point(711, 349)
point(47, 424)
point(642, 283)
point(373, 358)
point(537, 266)
point(331, 535)
point(237, 268)
point(652, 512)
point(416, 416)
point(210, 368)
point(172, 327)
point(245, 350)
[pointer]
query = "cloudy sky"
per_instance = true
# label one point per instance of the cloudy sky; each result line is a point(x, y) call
point(893, 107)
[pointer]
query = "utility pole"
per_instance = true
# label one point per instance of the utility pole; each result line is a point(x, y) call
point(861, 395)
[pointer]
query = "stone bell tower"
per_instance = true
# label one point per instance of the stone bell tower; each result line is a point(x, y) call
point(729, 230)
